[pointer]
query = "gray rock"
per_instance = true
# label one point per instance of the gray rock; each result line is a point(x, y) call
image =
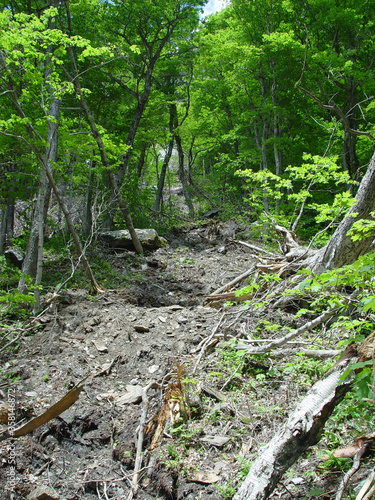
point(218, 441)
point(133, 395)
point(149, 239)
point(43, 493)
point(15, 256)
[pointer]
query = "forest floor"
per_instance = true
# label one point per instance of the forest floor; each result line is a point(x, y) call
point(152, 331)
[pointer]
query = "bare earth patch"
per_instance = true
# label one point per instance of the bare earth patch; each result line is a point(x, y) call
point(129, 339)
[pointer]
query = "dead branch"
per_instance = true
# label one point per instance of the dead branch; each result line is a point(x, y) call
point(233, 282)
point(295, 333)
point(138, 457)
point(368, 489)
point(302, 430)
point(204, 347)
point(354, 468)
point(227, 296)
point(253, 247)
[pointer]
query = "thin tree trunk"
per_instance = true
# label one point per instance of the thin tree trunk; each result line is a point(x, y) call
point(51, 157)
point(160, 187)
point(141, 161)
point(40, 222)
point(87, 215)
point(3, 228)
point(302, 430)
point(103, 155)
point(161, 179)
point(341, 249)
point(29, 265)
point(265, 162)
point(181, 175)
point(10, 218)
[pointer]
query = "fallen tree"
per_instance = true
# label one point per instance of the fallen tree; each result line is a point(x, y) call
point(302, 430)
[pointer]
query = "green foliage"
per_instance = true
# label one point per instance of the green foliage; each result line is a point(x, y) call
point(362, 228)
point(11, 300)
point(307, 370)
point(305, 184)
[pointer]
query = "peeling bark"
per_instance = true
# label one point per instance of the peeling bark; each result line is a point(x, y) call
point(341, 250)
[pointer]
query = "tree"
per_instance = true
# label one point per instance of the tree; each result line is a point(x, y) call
point(28, 66)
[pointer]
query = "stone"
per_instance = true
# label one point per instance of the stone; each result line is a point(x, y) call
point(101, 347)
point(149, 239)
point(15, 256)
point(141, 328)
point(153, 368)
point(204, 477)
point(133, 395)
point(218, 441)
point(43, 493)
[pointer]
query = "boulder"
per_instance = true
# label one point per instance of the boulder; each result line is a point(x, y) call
point(15, 256)
point(149, 239)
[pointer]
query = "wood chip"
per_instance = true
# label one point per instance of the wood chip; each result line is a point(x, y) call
point(204, 477)
point(141, 328)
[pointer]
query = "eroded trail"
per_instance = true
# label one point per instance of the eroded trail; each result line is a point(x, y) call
point(128, 337)
point(209, 406)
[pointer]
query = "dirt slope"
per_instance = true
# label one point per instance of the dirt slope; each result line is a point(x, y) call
point(143, 329)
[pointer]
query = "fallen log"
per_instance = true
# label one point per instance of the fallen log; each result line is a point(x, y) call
point(253, 247)
point(302, 430)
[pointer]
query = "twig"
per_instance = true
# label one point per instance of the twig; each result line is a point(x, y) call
point(233, 282)
point(207, 342)
point(107, 370)
point(353, 470)
point(307, 326)
point(138, 458)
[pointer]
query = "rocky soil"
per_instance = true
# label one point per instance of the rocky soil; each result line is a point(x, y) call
point(136, 337)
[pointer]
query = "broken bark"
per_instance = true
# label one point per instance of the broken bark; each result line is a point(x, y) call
point(302, 430)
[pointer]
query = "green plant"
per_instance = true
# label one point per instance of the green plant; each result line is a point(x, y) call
point(13, 377)
point(333, 463)
point(226, 491)
point(307, 370)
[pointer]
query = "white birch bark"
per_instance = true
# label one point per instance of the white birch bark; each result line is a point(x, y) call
point(302, 430)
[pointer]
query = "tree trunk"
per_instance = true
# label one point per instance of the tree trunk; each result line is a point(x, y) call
point(103, 155)
point(341, 250)
point(3, 229)
point(29, 265)
point(141, 160)
point(181, 175)
point(87, 215)
point(302, 430)
point(10, 218)
point(160, 187)
point(161, 179)
point(51, 157)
